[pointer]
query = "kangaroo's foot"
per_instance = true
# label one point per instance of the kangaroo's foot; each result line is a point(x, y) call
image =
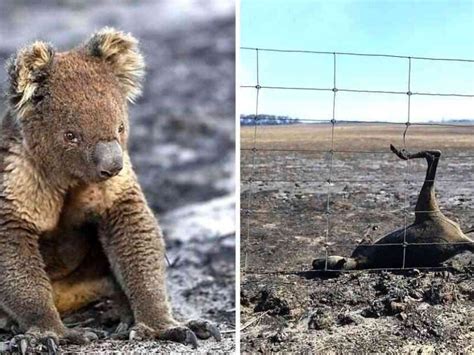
point(405, 155)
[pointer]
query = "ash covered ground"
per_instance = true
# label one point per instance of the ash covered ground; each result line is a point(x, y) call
point(181, 144)
point(287, 307)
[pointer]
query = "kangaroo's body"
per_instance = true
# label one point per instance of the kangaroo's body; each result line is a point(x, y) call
point(431, 239)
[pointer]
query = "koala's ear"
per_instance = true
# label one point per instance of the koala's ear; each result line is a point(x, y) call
point(120, 50)
point(27, 71)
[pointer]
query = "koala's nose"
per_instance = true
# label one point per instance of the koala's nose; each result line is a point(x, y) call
point(108, 173)
point(108, 158)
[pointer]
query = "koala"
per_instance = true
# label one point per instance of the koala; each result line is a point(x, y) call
point(74, 223)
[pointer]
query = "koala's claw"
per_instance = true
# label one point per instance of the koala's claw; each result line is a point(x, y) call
point(141, 332)
point(23, 346)
point(181, 335)
point(191, 339)
point(25, 343)
point(91, 336)
point(122, 327)
point(133, 335)
point(52, 347)
point(204, 329)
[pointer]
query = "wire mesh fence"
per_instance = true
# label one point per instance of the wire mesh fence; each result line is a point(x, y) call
point(256, 152)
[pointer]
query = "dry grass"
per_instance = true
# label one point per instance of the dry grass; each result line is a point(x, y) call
point(356, 137)
point(287, 227)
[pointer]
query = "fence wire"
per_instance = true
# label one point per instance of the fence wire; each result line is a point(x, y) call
point(247, 212)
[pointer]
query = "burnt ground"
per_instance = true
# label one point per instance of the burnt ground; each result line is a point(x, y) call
point(286, 306)
point(181, 144)
point(416, 312)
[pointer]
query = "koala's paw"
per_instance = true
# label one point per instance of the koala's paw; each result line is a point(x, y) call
point(204, 329)
point(122, 327)
point(79, 336)
point(186, 335)
point(34, 342)
point(37, 341)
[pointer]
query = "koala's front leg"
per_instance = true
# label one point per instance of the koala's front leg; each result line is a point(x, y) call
point(135, 247)
point(25, 289)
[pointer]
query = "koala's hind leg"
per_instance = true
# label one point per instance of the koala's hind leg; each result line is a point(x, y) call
point(90, 282)
point(84, 286)
point(6, 322)
point(134, 245)
point(26, 293)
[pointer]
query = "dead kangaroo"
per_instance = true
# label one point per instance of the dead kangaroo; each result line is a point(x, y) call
point(430, 226)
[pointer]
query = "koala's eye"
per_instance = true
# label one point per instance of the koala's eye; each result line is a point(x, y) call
point(121, 128)
point(71, 137)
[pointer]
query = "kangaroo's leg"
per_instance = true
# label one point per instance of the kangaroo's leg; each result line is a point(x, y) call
point(427, 205)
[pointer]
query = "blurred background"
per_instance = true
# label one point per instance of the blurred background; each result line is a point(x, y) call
point(182, 127)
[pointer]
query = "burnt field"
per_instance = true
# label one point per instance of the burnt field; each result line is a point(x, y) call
point(285, 198)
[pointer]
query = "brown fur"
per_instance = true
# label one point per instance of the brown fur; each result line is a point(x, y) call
point(68, 237)
point(120, 51)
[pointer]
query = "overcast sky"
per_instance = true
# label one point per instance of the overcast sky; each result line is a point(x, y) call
point(410, 28)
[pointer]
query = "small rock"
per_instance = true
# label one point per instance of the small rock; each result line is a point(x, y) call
point(402, 316)
point(320, 320)
point(279, 337)
point(349, 318)
point(267, 300)
point(397, 307)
